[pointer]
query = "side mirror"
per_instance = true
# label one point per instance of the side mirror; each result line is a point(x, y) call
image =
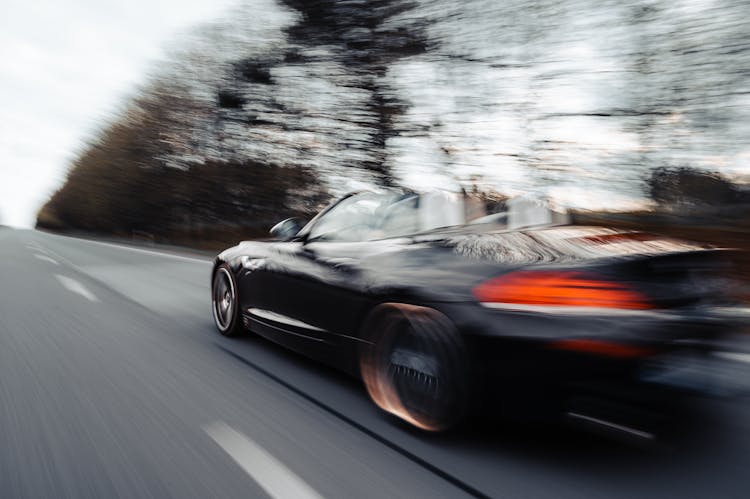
point(287, 229)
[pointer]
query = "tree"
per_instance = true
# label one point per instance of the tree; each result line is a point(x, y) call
point(686, 187)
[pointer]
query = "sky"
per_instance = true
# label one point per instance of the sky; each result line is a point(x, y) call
point(65, 66)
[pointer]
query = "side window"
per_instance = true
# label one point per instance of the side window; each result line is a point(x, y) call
point(353, 219)
point(401, 218)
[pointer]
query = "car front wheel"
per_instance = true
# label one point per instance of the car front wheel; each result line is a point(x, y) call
point(224, 302)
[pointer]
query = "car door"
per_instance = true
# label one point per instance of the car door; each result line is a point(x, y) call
point(314, 288)
point(316, 280)
point(324, 286)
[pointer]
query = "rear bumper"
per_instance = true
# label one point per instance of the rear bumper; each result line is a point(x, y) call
point(518, 360)
point(719, 370)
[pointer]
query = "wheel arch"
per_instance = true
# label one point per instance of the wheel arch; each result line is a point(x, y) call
point(405, 296)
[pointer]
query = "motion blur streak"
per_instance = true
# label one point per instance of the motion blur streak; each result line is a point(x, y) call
point(76, 287)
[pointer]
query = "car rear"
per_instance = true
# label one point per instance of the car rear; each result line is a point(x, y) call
point(611, 336)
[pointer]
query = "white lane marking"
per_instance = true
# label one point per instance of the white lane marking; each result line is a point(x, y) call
point(150, 252)
point(46, 258)
point(62, 259)
point(76, 287)
point(740, 357)
point(270, 473)
point(36, 247)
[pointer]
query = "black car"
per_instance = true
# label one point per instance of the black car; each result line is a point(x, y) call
point(443, 309)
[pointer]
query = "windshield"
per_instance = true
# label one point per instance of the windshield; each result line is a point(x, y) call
point(367, 216)
point(378, 215)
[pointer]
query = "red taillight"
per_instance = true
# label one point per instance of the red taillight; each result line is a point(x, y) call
point(560, 289)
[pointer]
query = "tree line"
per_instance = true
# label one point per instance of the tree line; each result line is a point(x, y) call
point(284, 104)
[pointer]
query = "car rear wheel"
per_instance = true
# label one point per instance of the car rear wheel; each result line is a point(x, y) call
point(414, 365)
point(224, 302)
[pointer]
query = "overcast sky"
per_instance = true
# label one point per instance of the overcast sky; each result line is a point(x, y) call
point(65, 66)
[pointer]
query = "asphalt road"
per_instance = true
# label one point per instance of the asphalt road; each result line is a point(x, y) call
point(114, 383)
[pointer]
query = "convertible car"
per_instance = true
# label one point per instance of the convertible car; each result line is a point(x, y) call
point(443, 308)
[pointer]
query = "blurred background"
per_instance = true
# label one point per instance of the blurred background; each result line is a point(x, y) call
point(627, 112)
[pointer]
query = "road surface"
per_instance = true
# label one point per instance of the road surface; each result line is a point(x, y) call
point(114, 383)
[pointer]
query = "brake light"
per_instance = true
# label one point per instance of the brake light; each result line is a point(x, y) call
point(559, 289)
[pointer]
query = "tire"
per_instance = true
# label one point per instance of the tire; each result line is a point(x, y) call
point(224, 302)
point(414, 366)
